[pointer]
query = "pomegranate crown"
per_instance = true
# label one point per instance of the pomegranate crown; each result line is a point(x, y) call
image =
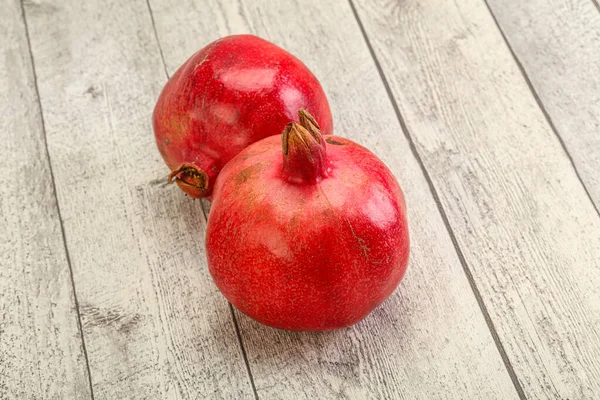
point(304, 150)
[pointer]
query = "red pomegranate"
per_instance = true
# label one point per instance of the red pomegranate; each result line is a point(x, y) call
point(309, 237)
point(235, 91)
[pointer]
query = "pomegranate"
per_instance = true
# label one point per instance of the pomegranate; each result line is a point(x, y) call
point(235, 91)
point(307, 233)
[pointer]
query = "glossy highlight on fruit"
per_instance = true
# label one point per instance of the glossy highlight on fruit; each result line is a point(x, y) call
point(307, 233)
point(233, 92)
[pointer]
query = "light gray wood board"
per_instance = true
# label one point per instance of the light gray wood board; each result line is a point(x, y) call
point(41, 352)
point(558, 44)
point(431, 332)
point(154, 324)
point(527, 229)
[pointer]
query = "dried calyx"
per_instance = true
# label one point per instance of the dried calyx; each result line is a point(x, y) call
point(191, 179)
point(304, 150)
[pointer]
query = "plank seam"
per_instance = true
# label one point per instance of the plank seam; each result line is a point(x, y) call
point(463, 262)
point(162, 56)
point(541, 104)
point(60, 219)
point(235, 322)
point(237, 331)
point(204, 213)
point(596, 4)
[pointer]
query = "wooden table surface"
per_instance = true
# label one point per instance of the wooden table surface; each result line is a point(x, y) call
point(487, 112)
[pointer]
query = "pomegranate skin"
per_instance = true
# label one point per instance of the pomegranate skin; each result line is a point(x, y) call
point(233, 92)
point(307, 255)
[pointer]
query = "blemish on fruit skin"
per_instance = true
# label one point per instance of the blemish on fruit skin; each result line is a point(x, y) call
point(360, 241)
point(248, 173)
point(226, 114)
point(205, 59)
point(335, 142)
point(178, 125)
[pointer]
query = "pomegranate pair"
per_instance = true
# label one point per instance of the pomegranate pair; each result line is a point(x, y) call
point(306, 232)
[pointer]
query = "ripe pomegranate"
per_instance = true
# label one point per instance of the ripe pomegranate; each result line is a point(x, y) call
point(235, 91)
point(310, 237)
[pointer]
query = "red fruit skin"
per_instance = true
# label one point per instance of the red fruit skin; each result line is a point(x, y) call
point(309, 256)
point(233, 92)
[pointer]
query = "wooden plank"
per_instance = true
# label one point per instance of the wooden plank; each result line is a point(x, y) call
point(558, 44)
point(429, 340)
point(527, 229)
point(41, 352)
point(154, 324)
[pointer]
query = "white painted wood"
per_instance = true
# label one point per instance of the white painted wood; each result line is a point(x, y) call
point(429, 340)
point(154, 324)
point(527, 229)
point(558, 45)
point(41, 354)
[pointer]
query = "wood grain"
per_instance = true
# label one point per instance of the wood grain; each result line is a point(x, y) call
point(431, 333)
point(41, 352)
point(558, 45)
point(154, 324)
point(528, 231)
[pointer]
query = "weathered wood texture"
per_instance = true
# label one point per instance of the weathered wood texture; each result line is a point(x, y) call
point(558, 45)
point(430, 339)
point(527, 229)
point(154, 324)
point(41, 354)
